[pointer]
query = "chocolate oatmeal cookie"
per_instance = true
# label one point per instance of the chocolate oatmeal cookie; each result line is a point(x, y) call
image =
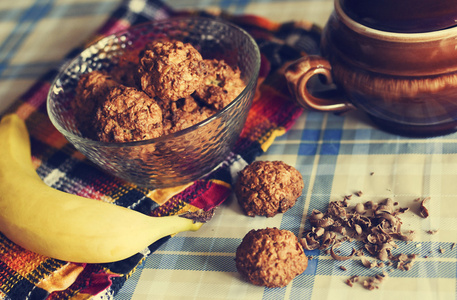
point(159, 89)
point(266, 188)
point(221, 84)
point(270, 257)
point(171, 70)
point(126, 115)
point(91, 91)
point(184, 113)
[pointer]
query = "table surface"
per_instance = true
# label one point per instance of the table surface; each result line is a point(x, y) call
point(337, 156)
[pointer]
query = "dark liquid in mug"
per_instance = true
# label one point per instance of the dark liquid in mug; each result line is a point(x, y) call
point(406, 16)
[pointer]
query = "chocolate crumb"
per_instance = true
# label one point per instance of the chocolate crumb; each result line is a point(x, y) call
point(343, 268)
point(402, 257)
point(423, 211)
point(442, 250)
point(368, 264)
point(408, 265)
point(200, 216)
point(373, 282)
point(351, 280)
point(359, 252)
point(432, 231)
point(452, 246)
point(340, 257)
point(359, 193)
point(405, 262)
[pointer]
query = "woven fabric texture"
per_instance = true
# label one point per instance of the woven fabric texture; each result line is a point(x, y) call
point(24, 274)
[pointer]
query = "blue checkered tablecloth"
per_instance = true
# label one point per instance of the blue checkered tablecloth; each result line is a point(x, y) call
point(336, 154)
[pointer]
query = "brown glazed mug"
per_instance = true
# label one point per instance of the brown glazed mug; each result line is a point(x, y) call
point(402, 72)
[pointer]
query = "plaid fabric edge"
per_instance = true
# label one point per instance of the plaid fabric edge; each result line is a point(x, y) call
point(271, 112)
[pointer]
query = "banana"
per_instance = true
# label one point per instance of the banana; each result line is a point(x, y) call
point(62, 225)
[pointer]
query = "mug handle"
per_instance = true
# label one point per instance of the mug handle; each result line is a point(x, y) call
point(300, 72)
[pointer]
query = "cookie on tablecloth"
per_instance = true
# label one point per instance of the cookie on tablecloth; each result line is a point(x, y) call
point(266, 188)
point(270, 257)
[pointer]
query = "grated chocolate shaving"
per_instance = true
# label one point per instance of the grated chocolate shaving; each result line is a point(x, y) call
point(375, 224)
point(340, 257)
point(360, 208)
point(423, 211)
point(351, 280)
point(368, 264)
point(359, 252)
point(405, 262)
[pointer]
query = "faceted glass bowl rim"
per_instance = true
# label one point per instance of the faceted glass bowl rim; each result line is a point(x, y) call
point(252, 81)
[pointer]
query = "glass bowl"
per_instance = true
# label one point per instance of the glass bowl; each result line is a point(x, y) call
point(180, 157)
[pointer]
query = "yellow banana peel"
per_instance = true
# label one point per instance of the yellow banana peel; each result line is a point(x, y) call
point(62, 225)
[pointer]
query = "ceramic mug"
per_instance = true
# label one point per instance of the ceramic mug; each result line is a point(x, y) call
point(405, 81)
